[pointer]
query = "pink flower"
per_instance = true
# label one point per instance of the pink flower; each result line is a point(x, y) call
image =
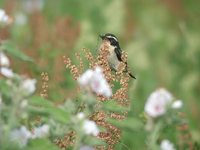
point(94, 79)
point(157, 102)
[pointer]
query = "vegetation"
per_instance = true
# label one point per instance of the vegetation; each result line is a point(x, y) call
point(49, 68)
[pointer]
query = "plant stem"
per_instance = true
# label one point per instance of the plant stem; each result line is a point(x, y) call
point(152, 145)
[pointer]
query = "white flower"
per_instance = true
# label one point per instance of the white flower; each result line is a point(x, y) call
point(85, 79)
point(2, 13)
point(90, 128)
point(29, 85)
point(99, 83)
point(20, 136)
point(4, 18)
point(157, 102)
point(80, 115)
point(177, 104)
point(4, 61)
point(40, 132)
point(166, 145)
point(95, 80)
point(6, 72)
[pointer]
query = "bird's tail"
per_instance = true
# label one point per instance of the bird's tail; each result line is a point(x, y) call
point(131, 75)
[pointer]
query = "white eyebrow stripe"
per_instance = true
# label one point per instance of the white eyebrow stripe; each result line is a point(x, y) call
point(112, 37)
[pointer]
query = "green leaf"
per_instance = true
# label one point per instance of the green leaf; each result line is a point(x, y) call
point(39, 105)
point(130, 123)
point(34, 110)
point(93, 141)
point(39, 101)
point(59, 114)
point(41, 144)
point(111, 105)
point(14, 51)
point(4, 88)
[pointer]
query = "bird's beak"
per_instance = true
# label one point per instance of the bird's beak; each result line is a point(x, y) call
point(102, 37)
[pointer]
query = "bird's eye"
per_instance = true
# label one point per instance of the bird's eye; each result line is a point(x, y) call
point(112, 41)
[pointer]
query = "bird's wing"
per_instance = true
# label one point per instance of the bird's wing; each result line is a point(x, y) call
point(118, 53)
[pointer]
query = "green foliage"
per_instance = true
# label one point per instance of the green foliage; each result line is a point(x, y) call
point(162, 42)
point(114, 107)
point(4, 88)
point(41, 144)
point(40, 106)
point(131, 124)
point(9, 47)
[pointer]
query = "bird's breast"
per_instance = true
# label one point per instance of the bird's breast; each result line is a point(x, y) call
point(113, 60)
point(111, 57)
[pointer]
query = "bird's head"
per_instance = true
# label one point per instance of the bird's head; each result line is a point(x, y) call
point(111, 38)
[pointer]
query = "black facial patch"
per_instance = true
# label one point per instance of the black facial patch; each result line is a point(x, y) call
point(113, 41)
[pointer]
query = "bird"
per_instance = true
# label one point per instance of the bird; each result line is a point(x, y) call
point(115, 52)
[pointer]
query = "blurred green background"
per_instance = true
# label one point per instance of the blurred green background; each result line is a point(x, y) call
point(161, 37)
